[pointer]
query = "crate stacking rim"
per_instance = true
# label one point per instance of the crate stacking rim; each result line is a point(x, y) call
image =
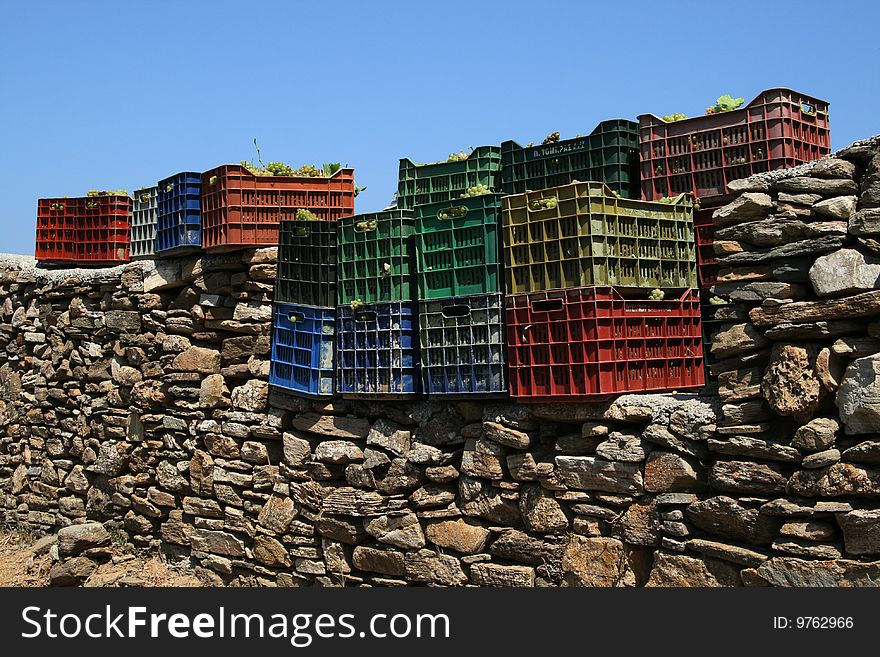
point(589, 236)
point(610, 153)
point(779, 129)
point(591, 343)
point(458, 247)
point(143, 222)
point(376, 257)
point(179, 221)
point(303, 340)
point(241, 209)
point(438, 182)
point(86, 230)
point(306, 271)
point(377, 350)
point(462, 345)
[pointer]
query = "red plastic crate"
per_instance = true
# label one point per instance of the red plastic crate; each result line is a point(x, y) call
point(240, 209)
point(779, 129)
point(704, 231)
point(589, 343)
point(94, 230)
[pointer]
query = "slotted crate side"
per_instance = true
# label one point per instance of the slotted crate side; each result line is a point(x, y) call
point(377, 350)
point(306, 263)
point(303, 340)
point(585, 343)
point(376, 257)
point(780, 128)
point(609, 154)
point(143, 222)
point(422, 184)
point(92, 230)
point(240, 209)
point(582, 235)
point(707, 262)
point(462, 345)
point(179, 223)
point(458, 247)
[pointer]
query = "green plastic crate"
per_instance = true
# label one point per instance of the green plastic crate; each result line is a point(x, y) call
point(376, 257)
point(609, 154)
point(458, 247)
point(586, 236)
point(421, 184)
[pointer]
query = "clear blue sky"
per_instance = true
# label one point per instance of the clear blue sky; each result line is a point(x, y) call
point(120, 94)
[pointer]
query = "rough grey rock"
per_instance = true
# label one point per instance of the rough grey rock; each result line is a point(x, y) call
point(861, 531)
point(858, 397)
point(846, 271)
point(591, 473)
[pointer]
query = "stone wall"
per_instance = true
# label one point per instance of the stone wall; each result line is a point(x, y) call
point(135, 414)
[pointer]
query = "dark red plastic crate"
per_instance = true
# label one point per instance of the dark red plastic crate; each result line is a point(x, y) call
point(704, 231)
point(590, 343)
point(779, 129)
point(240, 209)
point(94, 230)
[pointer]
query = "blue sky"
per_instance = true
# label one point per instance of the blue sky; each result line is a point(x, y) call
point(121, 94)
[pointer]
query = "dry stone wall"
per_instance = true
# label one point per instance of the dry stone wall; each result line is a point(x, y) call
point(135, 413)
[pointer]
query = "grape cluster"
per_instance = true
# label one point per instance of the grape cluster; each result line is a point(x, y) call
point(305, 215)
point(543, 203)
point(112, 192)
point(656, 295)
point(678, 116)
point(457, 157)
point(552, 138)
point(717, 301)
point(477, 190)
point(365, 226)
point(356, 305)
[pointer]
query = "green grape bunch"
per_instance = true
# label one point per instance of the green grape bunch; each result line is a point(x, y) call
point(543, 203)
point(477, 190)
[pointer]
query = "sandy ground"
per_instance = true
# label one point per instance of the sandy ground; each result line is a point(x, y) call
point(20, 565)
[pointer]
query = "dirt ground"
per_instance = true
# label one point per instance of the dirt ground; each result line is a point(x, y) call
point(22, 566)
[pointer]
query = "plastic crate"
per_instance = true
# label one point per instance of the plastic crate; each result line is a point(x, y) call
point(592, 237)
point(458, 247)
point(90, 231)
point(376, 257)
point(143, 222)
point(609, 154)
point(306, 263)
point(303, 339)
point(377, 350)
point(179, 224)
point(779, 129)
point(241, 210)
point(707, 263)
point(585, 343)
point(421, 184)
point(462, 345)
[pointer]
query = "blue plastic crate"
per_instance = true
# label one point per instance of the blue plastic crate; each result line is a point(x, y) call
point(302, 349)
point(179, 220)
point(377, 350)
point(462, 345)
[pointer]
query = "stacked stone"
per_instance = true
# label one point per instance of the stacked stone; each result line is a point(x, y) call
point(798, 352)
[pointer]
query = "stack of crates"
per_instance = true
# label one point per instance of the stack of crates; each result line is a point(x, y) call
point(779, 129)
point(377, 352)
point(600, 297)
point(304, 316)
point(458, 271)
point(179, 223)
point(461, 314)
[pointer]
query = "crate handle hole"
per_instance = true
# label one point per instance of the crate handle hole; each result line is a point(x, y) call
point(452, 213)
point(365, 226)
point(806, 108)
point(457, 310)
point(295, 317)
point(547, 306)
point(368, 316)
